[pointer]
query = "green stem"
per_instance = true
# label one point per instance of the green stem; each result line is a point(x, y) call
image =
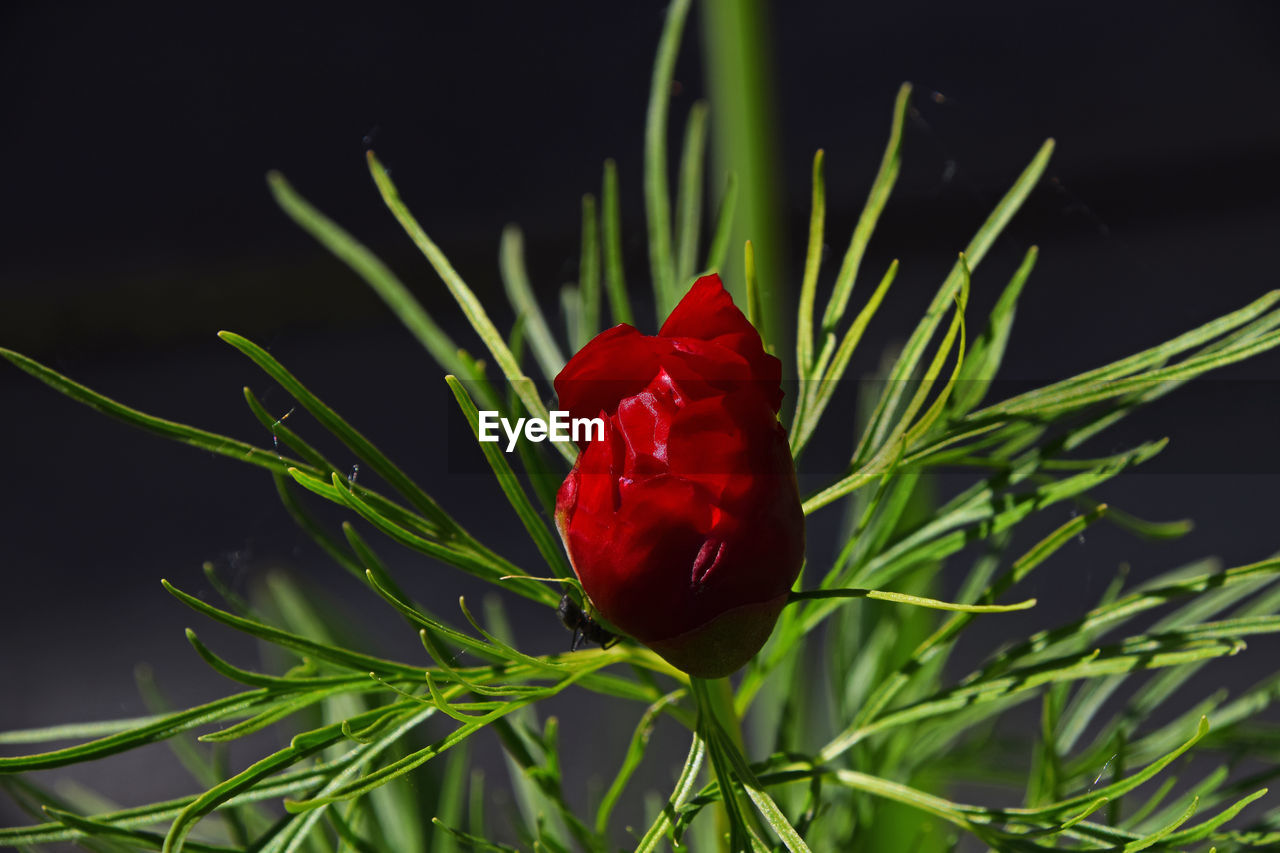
point(736, 47)
point(714, 700)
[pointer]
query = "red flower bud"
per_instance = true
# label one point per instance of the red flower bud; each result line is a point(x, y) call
point(684, 524)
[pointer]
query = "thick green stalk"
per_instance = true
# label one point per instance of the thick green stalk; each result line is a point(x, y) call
point(738, 68)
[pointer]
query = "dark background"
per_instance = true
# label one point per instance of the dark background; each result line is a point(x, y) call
point(136, 223)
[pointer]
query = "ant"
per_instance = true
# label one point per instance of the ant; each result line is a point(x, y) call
point(582, 625)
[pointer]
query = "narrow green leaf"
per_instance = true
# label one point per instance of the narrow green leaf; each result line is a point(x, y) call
point(301, 747)
point(156, 813)
point(1203, 830)
point(334, 654)
point(280, 684)
point(415, 759)
point(151, 731)
point(904, 430)
point(548, 547)
point(973, 255)
point(903, 598)
point(349, 436)
point(881, 187)
point(331, 545)
point(370, 564)
point(812, 264)
point(588, 275)
point(723, 230)
point(76, 731)
point(684, 788)
point(437, 630)
point(471, 306)
point(384, 282)
point(755, 313)
point(635, 754)
point(1156, 837)
point(235, 449)
point(1129, 606)
point(142, 838)
point(271, 715)
point(482, 563)
point(820, 390)
point(449, 806)
point(281, 434)
point(689, 198)
point(615, 279)
point(1096, 391)
point(760, 798)
point(1148, 358)
point(473, 840)
point(657, 200)
point(515, 278)
point(988, 350)
point(1139, 653)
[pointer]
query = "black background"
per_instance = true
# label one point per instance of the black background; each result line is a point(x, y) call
point(136, 223)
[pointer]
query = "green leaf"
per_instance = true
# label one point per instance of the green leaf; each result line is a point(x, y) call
point(155, 729)
point(202, 439)
point(348, 435)
point(415, 759)
point(327, 542)
point(515, 278)
point(689, 198)
point(548, 547)
point(635, 754)
point(684, 788)
point(903, 598)
point(881, 187)
point(723, 229)
point(1203, 830)
point(281, 433)
point(1083, 385)
point(140, 837)
point(76, 731)
point(300, 747)
point(812, 264)
point(973, 255)
point(452, 799)
point(588, 276)
point(481, 563)
point(657, 202)
point(334, 654)
point(384, 282)
point(904, 430)
point(1129, 606)
point(988, 350)
point(466, 299)
point(763, 802)
point(818, 392)
point(611, 225)
point(755, 312)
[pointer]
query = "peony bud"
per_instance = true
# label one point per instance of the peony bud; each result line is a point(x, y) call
point(684, 524)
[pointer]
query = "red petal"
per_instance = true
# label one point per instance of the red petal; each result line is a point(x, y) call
point(616, 363)
point(707, 313)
